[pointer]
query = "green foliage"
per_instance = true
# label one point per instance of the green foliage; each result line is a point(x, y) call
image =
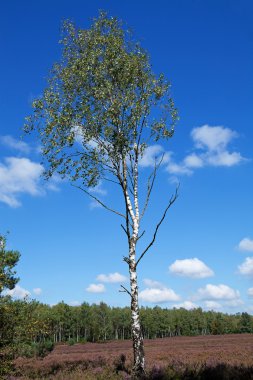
point(33, 349)
point(8, 260)
point(245, 323)
point(102, 93)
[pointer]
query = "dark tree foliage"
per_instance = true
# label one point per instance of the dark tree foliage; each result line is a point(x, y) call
point(8, 260)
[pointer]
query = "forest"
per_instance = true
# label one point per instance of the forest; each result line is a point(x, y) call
point(28, 321)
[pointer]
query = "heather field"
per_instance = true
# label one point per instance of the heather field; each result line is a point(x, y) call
point(201, 357)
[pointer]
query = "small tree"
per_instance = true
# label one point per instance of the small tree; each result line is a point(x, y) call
point(102, 108)
point(8, 260)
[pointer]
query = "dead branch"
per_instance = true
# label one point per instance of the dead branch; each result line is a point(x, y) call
point(151, 178)
point(124, 290)
point(171, 201)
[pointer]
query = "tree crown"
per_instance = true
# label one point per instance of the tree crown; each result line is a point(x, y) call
point(103, 103)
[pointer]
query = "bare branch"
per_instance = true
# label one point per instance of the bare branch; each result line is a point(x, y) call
point(171, 201)
point(141, 235)
point(125, 230)
point(151, 178)
point(98, 200)
point(125, 290)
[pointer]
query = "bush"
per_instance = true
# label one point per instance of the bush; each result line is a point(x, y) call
point(30, 350)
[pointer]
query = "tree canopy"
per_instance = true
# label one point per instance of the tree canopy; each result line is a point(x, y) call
point(102, 94)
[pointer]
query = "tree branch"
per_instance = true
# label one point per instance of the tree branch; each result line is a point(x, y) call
point(171, 201)
point(101, 203)
point(141, 235)
point(124, 290)
point(151, 178)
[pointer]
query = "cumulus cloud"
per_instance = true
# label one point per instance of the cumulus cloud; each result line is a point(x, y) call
point(188, 305)
point(234, 303)
point(153, 153)
point(246, 244)
point(155, 295)
point(250, 292)
point(211, 149)
point(17, 176)
point(37, 291)
point(212, 138)
point(111, 278)
point(12, 143)
point(218, 292)
point(96, 288)
point(193, 268)
point(246, 268)
point(181, 169)
point(193, 161)
point(224, 159)
point(152, 284)
point(212, 305)
point(18, 292)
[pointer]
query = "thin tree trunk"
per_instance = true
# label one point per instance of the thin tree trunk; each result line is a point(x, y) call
point(139, 359)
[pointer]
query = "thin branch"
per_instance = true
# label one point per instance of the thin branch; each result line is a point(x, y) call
point(141, 235)
point(125, 290)
point(150, 186)
point(171, 201)
point(125, 230)
point(101, 203)
point(110, 180)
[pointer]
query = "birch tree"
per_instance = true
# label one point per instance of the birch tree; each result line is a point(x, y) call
point(102, 108)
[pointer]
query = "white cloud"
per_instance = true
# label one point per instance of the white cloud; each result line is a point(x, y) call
point(153, 153)
point(13, 143)
point(174, 168)
point(212, 138)
point(193, 268)
point(155, 295)
point(246, 244)
point(212, 305)
point(218, 292)
point(250, 292)
point(96, 288)
point(193, 161)
point(18, 292)
point(37, 291)
point(19, 175)
point(211, 144)
point(224, 159)
point(111, 278)
point(234, 303)
point(246, 268)
point(152, 284)
point(188, 305)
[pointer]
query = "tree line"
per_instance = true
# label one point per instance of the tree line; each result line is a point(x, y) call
point(29, 321)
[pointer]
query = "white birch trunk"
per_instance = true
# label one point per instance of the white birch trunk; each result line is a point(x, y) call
point(139, 360)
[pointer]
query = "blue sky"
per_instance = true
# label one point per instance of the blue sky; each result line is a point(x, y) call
point(71, 250)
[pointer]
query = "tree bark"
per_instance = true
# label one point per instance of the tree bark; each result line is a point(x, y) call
point(138, 349)
point(139, 360)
